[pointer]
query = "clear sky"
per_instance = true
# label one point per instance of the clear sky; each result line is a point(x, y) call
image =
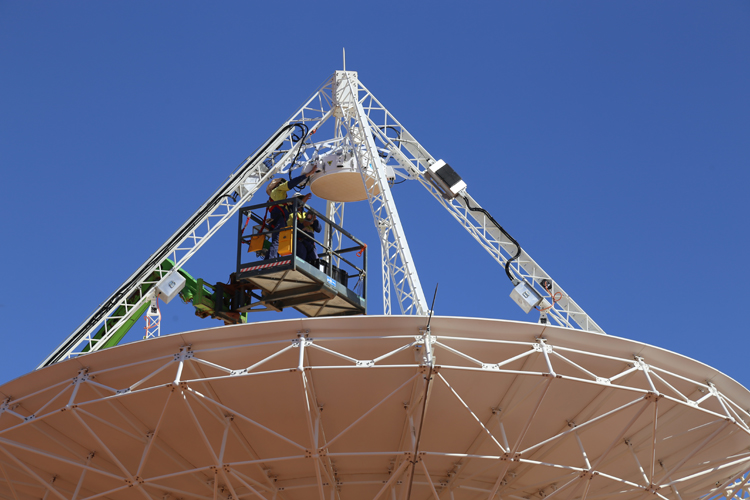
point(611, 139)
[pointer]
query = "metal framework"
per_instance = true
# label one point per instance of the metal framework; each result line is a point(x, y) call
point(410, 159)
point(376, 408)
point(138, 290)
point(379, 142)
point(367, 407)
point(314, 290)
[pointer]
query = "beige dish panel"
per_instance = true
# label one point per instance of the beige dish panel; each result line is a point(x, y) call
point(227, 410)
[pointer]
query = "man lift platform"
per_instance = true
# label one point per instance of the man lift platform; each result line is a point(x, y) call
point(316, 286)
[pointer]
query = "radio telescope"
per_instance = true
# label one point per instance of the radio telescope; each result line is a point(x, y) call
point(340, 405)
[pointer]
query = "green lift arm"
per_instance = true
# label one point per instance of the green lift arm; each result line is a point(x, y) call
point(201, 294)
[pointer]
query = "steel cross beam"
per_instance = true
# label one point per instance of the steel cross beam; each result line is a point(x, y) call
point(410, 161)
point(238, 189)
point(199, 396)
point(368, 124)
point(398, 263)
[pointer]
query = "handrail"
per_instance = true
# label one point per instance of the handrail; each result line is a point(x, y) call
point(247, 212)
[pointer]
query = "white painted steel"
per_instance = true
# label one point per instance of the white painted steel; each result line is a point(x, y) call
point(376, 407)
point(361, 124)
point(209, 218)
point(153, 319)
point(395, 252)
point(409, 160)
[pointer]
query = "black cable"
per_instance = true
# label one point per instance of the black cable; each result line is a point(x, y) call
point(432, 307)
point(385, 128)
point(301, 141)
point(518, 252)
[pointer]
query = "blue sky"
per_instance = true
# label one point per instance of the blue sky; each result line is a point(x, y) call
point(611, 139)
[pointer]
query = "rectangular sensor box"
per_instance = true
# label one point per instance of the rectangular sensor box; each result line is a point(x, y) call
point(445, 179)
point(170, 286)
point(526, 297)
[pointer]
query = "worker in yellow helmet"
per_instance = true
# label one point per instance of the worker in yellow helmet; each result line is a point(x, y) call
point(308, 223)
point(277, 191)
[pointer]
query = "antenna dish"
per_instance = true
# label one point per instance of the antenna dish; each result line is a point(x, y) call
point(260, 410)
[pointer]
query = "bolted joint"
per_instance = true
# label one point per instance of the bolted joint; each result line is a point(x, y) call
point(82, 376)
point(185, 353)
point(588, 474)
point(652, 488)
point(712, 389)
point(302, 341)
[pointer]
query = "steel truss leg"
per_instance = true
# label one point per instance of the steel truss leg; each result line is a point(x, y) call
point(395, 252)
point(194, 233)
point(410, 161)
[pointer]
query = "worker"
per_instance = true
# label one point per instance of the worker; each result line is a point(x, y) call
point(280, 213)
point(308, 223)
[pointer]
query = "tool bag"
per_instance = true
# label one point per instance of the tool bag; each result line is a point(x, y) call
point(285, 242)
point(257, 241)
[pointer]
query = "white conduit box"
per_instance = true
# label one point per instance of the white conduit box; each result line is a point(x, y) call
point(445, 179)
point(170, 286)
point(526, 297)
